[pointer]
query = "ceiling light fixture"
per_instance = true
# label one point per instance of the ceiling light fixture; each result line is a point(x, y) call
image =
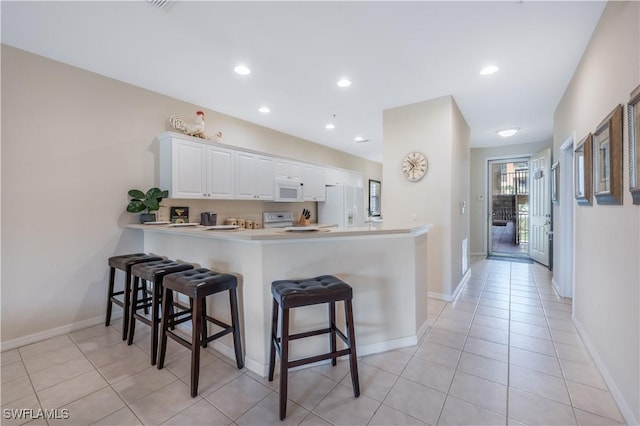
point(242, 70)
point(505, 133)
point(491, 69)
point(330, 126)
point(264, 110)
point(360, 139)
point(344, 83)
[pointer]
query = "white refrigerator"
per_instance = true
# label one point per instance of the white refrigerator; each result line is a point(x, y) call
point(343, 205)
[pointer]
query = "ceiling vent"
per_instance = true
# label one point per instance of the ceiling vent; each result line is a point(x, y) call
point(160, 4)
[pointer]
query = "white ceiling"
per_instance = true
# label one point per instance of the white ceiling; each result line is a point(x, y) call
point(395, 53)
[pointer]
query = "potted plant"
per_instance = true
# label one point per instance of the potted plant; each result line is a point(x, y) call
point(149, 201)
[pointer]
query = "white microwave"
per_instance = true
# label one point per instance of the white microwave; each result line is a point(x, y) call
point(288, 191)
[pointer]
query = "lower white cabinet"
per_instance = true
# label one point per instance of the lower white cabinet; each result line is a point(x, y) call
point(254, 176)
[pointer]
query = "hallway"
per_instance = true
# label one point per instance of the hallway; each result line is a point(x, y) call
point(505, 352)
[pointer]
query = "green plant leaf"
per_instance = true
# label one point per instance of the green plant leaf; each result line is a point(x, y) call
point(153, 193)
point(136, 193)
point(136, 206)
point(152, 204)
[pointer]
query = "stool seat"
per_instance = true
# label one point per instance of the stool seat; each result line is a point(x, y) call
point(310, 291)
point(126, 260)
point(124, 263)
point(152, 272)
point(201, 282)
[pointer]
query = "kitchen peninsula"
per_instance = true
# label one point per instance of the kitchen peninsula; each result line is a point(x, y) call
point(385, 265)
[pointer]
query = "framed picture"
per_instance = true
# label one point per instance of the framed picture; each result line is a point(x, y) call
point(607, 159)
point(633, 111)
point(555, 182)
point(582, 168)
point(179, 214)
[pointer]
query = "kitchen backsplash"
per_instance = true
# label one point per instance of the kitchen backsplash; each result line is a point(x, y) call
point(239, 209)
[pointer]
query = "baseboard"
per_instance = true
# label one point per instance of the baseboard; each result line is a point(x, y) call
point(555, 285)
point(626, 412)
point(451, 297)
point(465, 279)
point(439, 296)
point(55, 332)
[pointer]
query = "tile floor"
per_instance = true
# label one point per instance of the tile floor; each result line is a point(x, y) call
point(502, 240)
point(504, 353)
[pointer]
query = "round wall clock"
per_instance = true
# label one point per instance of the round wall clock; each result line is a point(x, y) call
point(414, 166)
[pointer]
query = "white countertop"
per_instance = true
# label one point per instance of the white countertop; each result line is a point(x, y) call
point(281, 234)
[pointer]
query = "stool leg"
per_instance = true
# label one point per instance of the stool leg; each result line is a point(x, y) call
point(196, 332)
point(353, 358)
point(205, 323)
point(284, 362)
point(133, 309)
point(274, 337)
point(156, 298)
point(127, 304)
point(332, 326)
point(237, 343)
point(167, 301)
point(112, 279)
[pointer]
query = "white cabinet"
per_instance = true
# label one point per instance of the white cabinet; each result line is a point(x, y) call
point(254, 175)
point(288, 170)
point(196, 170)
point(313, 180)
point(220, 173)
point(190, 168)
point(337, 177)
point(344, 177)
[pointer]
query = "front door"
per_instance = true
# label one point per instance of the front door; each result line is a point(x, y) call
point(540, 207)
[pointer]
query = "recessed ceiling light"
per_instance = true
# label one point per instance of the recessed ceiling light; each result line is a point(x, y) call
point(508, 132)
point(242, 70)
point(330, 126)
point(344, 83)
point(264, 110)
point(359, 139)
point(489, 70)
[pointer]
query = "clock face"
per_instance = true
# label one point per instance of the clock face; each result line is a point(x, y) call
point(414, 166)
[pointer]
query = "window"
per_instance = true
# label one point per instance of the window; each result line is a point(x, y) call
point(374, 197)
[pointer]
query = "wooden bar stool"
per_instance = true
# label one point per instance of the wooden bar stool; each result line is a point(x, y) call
point(123, 263)
point(150, 272)
point(288, 294)
point(197, 284)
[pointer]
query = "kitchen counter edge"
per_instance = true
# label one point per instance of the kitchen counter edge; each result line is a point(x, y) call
point(280, 234)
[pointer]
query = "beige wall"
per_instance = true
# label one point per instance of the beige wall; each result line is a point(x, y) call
point(479, 172)
point(607, 246)
point(436, 128)
point(73, 143)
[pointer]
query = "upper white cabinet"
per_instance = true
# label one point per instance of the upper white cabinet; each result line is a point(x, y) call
point(313, 180)
point(196, 170)
point(191, 168)
point(344, 177)
point(254, 176)
point(288, 170)
point(337, 177)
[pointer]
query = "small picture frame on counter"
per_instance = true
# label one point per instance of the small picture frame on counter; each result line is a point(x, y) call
point(179, 214)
